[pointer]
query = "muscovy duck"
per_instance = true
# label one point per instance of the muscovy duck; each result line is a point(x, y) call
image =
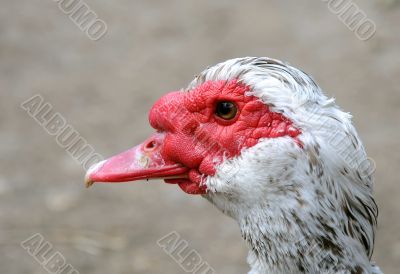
point(259, 139)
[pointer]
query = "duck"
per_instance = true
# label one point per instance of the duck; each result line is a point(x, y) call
point(260, 140)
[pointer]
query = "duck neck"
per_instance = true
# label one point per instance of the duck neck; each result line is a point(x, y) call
point(275, 244)
point(286, 244)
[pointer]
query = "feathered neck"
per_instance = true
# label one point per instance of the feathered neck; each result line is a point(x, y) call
point(300, 219)
point(282, 242)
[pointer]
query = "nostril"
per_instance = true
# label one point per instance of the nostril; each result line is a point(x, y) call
point(150, 146)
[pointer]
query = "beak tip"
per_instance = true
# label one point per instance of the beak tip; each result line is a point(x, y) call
point(88, 183)
point(93, 169)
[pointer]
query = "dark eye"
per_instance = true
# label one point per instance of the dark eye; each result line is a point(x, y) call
point(226, 110)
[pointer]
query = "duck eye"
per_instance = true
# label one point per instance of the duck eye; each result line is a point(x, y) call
point(226, 110)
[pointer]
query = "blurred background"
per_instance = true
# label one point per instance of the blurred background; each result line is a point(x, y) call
point(105, 88)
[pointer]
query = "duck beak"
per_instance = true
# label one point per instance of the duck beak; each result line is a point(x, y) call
point(144, 161)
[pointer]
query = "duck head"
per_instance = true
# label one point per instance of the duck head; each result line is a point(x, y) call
point(259, 139)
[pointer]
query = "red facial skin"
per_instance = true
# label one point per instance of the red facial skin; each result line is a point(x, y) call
point(195, 137)
point(198, 138)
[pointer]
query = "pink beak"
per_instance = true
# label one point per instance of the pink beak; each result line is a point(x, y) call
point(144, 161)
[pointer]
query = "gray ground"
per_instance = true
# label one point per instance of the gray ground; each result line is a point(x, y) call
point(105, 88)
